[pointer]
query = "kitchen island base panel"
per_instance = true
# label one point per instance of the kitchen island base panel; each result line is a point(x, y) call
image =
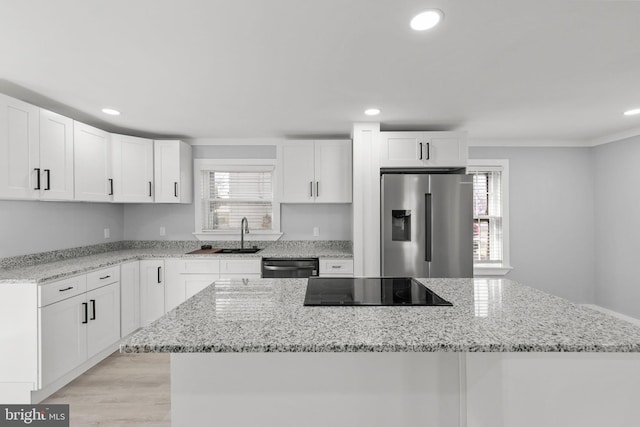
point(405, 389)
point(552, 389)
point(315, 389)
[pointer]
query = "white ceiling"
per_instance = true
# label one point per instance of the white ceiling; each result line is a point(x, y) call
point(507, 70)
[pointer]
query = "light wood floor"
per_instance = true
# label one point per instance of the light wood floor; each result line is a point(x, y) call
point(130, 390)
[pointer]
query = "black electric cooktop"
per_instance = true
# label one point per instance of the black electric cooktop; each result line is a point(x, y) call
point(369, 291)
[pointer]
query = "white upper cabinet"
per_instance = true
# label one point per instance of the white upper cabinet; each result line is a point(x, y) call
point(423, 149)
point(333, 168)
point(92, 164)
point(56, 157)
point(317, 171)
point(19, 152)
point(132, 169)
point(298, 178)
point(173, 172)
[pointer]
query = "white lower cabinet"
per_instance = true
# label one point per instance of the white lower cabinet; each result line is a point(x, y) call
point(152, 289)
point(187, 277)
point(63, 335)
point(129, 297)
point(194, 283)
point(240, 269)
point(75, 329)
point(336, 267)
point(103, 327)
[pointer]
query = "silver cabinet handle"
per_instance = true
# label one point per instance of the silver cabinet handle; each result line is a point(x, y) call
point(428, 227)
point(317, 188)
point(335, 266)
point(420, 150)
point(105, 277)
point(65, 289)
point(175, 189)
point(311, 188)
point(428, 152)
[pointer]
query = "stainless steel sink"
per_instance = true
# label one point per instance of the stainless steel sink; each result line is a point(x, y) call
point(239, 251)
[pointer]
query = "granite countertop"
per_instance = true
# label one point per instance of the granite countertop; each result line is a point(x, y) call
point(497, 315)
point(77, 261)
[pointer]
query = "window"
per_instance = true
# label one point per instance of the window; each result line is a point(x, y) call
point(228, 196)
point(227, 192)
point(490, 216)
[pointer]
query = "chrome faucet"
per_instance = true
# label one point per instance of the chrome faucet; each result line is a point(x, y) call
point(244, 228)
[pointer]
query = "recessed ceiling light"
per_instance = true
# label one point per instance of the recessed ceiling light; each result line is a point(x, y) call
point(372, 112)
point(632, 112)
point(426, 20)
point(111, 111)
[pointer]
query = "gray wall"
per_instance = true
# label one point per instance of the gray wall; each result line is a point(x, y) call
point(30, 226)
point(552, 218)
point(333, 221)
point(617, 230)
point(143, 221)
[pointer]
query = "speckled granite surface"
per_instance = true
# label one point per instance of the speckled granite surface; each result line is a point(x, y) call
point(265, 315)
point(39, 268)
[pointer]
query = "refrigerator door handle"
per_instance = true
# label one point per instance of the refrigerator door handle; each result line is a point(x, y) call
point(427, 227)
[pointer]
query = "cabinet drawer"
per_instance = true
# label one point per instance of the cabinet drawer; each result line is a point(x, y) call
point(199, 266)
point(336, 266)
point(240, 266)
point(104, 276)
point(62, 289)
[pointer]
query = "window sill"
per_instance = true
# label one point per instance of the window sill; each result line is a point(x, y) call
point(270, 236)
point(480, 270)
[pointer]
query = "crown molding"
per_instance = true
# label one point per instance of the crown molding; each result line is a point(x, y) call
point(496, 142)
point(614, 137)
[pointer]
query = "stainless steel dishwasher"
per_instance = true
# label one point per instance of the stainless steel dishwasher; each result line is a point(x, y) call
point(289, 267)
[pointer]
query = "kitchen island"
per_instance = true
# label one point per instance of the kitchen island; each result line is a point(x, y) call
point(249, 353)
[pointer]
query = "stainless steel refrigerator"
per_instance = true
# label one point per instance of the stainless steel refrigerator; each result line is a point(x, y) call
point(427, 224)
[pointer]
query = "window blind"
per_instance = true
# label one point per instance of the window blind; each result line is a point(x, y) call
point(487, 215)
point(228, 196)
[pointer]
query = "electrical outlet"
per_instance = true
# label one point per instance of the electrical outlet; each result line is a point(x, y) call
point(107, 233)
point(163, 231)
point(316, 231)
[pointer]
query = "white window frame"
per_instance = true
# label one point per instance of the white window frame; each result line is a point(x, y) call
point(484, 269)
point(201, 165)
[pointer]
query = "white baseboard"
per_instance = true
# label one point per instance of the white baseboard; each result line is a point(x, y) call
point(613, 313)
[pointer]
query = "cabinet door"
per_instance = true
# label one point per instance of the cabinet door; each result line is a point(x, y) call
point(56, 156)
point(132, 169)
point(174, 285)
point(445, 149)
point(19, 151)
point(151, 290)
point(402, 149)
point(298, 172)
point(194, 283)
point(63, 335)
point(333, 171)
point(167, 171)
point(129, 297)
point(104, 318)
point(92, 164)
